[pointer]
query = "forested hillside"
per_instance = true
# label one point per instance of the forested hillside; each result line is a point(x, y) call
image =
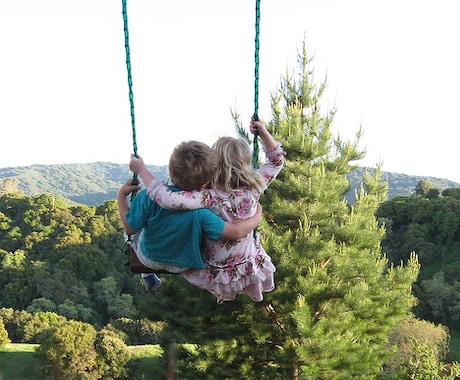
point(90, 184)
point(398, 184)
point(429, 225)
point(63, 259)
point(63, 263)
point(94, 183)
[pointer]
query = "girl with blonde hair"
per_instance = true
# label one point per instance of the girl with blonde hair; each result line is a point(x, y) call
point(231, 267)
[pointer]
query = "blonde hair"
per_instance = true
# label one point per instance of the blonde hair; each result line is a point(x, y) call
point(235, 169)
point(192, 164)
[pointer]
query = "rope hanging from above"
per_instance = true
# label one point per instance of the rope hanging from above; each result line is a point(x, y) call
point(255, 157)
point(130, 80)
point(256, 82)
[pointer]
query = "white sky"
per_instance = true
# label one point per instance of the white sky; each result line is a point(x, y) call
point(392, 66)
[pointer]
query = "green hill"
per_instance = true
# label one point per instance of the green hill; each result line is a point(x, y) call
point(91, 184)
point(94, 183)
point(398, 184)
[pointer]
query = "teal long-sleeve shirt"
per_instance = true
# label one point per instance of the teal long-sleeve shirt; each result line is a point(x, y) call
point(173, 236)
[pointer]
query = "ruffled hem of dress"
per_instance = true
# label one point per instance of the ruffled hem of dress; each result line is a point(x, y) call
point(246, 278)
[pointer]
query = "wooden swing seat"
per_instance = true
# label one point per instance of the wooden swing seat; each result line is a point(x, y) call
point(137, 267)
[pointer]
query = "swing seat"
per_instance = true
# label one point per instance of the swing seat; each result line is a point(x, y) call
point(137, 267)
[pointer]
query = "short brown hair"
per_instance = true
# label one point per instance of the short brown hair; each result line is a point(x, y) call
point(192, 164)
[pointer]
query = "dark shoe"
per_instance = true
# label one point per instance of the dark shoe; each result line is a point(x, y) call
point(151, 282)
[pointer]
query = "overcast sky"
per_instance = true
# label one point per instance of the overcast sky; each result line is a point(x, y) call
point(392, 66)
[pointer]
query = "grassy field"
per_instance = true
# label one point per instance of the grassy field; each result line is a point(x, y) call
point(454, 345)
point(145, 362)
point(17, 362)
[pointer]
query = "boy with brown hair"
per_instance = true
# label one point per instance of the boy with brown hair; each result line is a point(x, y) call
point(170, 239)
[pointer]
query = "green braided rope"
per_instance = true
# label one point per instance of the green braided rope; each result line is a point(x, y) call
point(256, 81)
point(130, 80)
point(255, 157)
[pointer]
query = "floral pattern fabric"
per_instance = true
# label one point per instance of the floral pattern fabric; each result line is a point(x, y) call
point(231, 267)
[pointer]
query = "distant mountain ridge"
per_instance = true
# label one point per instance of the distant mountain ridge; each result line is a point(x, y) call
point(91, 184)
point(95, 183)
point(399, 184)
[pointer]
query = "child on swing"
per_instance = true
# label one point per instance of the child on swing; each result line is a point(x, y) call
point(170, 240)
point(238, 266)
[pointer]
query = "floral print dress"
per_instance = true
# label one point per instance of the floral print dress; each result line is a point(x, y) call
point(231, 267)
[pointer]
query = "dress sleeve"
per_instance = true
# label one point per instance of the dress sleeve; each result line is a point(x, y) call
point(273, 165)
point(159, 192)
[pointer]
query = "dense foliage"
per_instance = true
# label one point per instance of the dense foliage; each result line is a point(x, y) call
point(71, 349)
point(62, 259)
point(64, 286)
point(4, 339)
point(428, 223)
point(70, 261)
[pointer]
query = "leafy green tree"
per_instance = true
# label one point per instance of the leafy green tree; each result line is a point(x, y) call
point(452, 192)
point(424, 363)
point(123, 307)
point(423, 187)
point(110, 212)
point(67, 350)
point(138, 331)
point(106, 290)
point(15, 322)
point(337, 299)
point(15, 271)
point(38, 324)
point(150, 330)
point(446, 222)
point(111, 302)
point(405, 337)
point(3, 334)
point(50, 282)
point(420, 225)
point(13, 206)
point(41, 304)
point(25, 327)
point(442, 298)
point(9, 185)
point(78, 312)
point(433, 193)
point(112, 355)
point(431, 229)
point(4, 222)
point(7, 315)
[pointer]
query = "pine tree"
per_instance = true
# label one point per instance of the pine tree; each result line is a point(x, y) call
point(337, 298)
